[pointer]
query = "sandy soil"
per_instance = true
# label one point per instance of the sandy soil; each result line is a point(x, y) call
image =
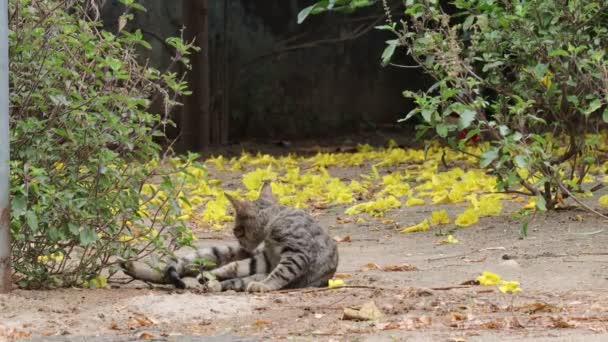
point(562, 266)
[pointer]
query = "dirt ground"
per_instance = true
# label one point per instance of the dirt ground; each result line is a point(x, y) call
point(562, 266)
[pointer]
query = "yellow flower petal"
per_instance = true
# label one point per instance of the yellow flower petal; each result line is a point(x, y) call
point(412, 201)
point(489, 279)
point(509, 286)
point(449, 240)
point(467, 218)
point(420, 227)
point(440, 217)
point(335, 282)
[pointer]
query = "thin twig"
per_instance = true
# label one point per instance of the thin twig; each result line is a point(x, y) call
point(570, 194)
point(405, 66)
point(323, 289)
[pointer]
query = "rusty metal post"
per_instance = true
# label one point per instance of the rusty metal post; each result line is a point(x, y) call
point(5, 233)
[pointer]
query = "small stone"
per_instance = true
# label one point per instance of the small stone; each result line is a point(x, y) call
point(510, 263)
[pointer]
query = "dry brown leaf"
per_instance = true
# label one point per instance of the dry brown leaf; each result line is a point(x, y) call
point(409, 323)
point(342, 275)
point(146, 336)
point(114, 326)
point(425, 321)
point(47, 333)
point(399, 268)
point(559, 322)
point(143, 321)
point(388, 326)
point(492, 325)
point(347, 238)
point(122, 22)
point(368, 312)
point(320, 206)
point(370, 266)
point(343, 220)
point(533, 308)
point(138, 322)
point(457, 316)
point(262, 322)
point(11, 334)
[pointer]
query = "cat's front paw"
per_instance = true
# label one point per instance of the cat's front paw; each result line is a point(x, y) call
point(258, 287)
point(213, 286)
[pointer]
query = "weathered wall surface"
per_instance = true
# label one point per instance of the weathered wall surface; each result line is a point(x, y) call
point(322, 90)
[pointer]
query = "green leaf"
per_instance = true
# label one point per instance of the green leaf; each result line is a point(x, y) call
point(73, 229)
point(305, 13)
point(385, 27)
point(488, 157)
point(426, 115)
point(517, 136)
point(388, 52)
point(524, 228)
point(19, 205)
point(32, 220)
point(492, 65)
point(593, 106)
point(442, 130)
point(541, 204)
point(521, 161)
point(409, 115)
point(558, 52)
point(114, 63)
point(466, 118)
point(88, 236)
point(138, 7)
point(504, 130)
point(468, 22)
point(605, 115)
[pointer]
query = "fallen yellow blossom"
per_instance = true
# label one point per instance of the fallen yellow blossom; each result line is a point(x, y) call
point(449, 240)
point(412, 201)
point(420, 227)
point(335, 283)
point(375, 208)
point(489, 279)
point(467, 218)
point(509, 286)
point(603, 201)
point(440, 217)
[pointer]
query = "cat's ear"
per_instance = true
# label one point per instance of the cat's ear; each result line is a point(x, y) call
point(241, 207)
point(266, 192)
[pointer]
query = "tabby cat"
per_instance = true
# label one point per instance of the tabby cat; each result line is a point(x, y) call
point(279, 247)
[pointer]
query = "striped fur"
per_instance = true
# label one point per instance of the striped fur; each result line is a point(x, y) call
point(279, 247)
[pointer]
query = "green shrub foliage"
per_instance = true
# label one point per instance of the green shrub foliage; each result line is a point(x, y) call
point(82, 144)
point(529, 77)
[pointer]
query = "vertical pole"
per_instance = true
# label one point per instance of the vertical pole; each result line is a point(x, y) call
point(5, 233)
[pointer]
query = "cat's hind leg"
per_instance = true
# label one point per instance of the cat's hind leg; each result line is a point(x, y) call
point(236, 284)
point(259, 263)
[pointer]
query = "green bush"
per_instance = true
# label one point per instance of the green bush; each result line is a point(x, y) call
point(530, 77)
point(83, 145)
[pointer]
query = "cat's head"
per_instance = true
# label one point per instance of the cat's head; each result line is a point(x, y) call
point(249, 222)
